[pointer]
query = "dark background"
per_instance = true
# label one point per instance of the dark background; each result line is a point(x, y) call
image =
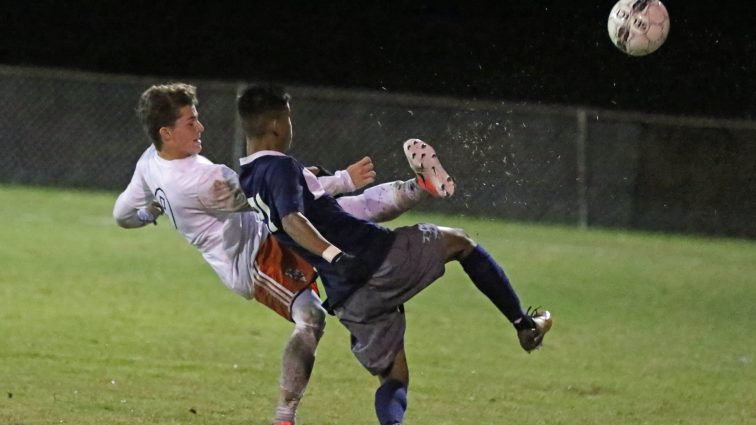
point(687, 175)
point(531, 51)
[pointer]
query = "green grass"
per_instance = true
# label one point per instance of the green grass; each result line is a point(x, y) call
point(100, 325)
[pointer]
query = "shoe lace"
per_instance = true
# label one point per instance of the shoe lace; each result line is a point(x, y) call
point(533, 311)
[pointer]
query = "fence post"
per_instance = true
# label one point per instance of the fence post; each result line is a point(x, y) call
point(581, 180)
point(238, 149)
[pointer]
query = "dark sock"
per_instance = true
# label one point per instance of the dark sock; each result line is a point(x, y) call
point(491, 280)
point(391, 402)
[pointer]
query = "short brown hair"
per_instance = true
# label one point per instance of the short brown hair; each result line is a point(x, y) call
point(159, 107)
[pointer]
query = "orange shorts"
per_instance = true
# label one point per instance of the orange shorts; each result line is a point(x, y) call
point(279, 275)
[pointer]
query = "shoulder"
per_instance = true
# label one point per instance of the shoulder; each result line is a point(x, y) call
point(277, 160)
point(209, 172)
point(149, 153)
point(272, 165)
point(203, 160)
point(147, 157)
point(285, 164)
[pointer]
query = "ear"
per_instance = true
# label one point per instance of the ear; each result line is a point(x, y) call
point(165, 134)
point(272, 126)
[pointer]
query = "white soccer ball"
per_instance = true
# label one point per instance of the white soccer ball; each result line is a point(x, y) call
point(638, 27)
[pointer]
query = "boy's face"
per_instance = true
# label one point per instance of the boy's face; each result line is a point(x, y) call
point(183, 139)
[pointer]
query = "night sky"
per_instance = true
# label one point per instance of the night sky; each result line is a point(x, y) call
point(527, 51)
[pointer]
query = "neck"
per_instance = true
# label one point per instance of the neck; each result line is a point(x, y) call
point(267, 142)
point(170, 156)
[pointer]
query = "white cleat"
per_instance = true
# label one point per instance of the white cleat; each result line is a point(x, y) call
point(431, 176)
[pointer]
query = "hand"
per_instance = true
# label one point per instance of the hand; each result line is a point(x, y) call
point(225, 196)
point(150, 213)
point(362, 172)
point(351, 267)
point(221, 191)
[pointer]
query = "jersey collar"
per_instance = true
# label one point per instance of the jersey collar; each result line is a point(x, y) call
point(247, 159)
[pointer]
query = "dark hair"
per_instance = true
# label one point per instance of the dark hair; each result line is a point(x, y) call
point(256, 103)
point(159, 106)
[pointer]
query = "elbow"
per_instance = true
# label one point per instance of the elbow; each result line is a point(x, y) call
point(289, 222)
point(120, 213)
point(124, 220)
point(119, 218)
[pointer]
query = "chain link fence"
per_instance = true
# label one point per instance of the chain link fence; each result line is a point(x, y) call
point(563, 165)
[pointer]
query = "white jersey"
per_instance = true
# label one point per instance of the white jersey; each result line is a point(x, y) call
point(184, 187)
point(227, 238)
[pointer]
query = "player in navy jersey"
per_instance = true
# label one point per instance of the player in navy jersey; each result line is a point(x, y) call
point(368, 271)
point(204, 202)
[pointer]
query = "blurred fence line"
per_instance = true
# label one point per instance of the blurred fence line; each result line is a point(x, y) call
point(576, 165)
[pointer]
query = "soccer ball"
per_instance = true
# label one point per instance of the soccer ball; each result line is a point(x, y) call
point(638, 27)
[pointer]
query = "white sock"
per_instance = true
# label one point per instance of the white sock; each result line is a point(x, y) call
point(299, 353)
point(385, 201)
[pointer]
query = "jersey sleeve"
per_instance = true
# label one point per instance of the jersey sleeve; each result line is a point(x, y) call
point(340, 182)
point(136, 196)
point(219, 189)
point(285, 187)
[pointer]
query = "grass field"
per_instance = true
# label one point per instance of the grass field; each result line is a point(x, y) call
point(100, 325)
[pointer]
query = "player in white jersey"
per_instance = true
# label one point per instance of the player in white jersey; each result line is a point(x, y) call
point(202, 200)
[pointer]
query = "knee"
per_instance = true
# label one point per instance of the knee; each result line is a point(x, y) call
point(320, 321)
point(313, 319)
point(458, 244)
point(317, 319)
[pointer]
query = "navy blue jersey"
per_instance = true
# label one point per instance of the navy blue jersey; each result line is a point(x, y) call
point(278, 185)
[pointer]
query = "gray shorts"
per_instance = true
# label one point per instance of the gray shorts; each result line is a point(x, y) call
point(374, 314)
